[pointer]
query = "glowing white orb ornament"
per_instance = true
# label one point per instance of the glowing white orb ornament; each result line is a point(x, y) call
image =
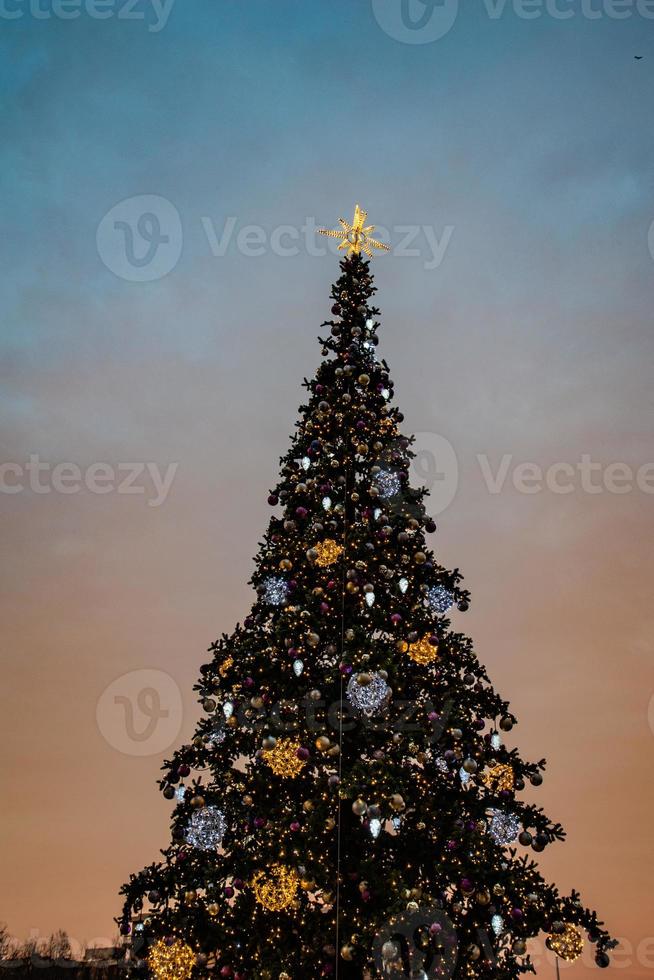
point(504, 827)
point(367, 692)
point(388, 484)
point(206, 828)
point(440, 599)
point(275, 590)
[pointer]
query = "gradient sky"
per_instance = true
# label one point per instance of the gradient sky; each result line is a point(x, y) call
point(531, 141)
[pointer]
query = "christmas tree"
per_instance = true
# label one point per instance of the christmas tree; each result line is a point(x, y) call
point(348, 806)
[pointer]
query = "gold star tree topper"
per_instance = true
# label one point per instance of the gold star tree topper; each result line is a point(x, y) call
point(356, 237)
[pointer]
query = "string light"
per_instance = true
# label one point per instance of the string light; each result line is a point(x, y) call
point(388, 484)
point(171, 961)
point(504, 827)
point(275, 590)
point(423, 652)
point(440, 599)
point(568, 944)
point(277, 889)
point(206, 828)
point(283, 758)
point(367, 692)
point(498, 777)
point(328, 551)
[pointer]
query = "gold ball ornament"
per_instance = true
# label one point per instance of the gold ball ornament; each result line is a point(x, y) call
point(283, 760)
point(171, 962)
point(568, 945)
point(276, 889)
point(422, 652)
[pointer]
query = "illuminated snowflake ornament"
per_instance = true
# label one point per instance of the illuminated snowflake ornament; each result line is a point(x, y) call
point(275, 590)
point(367, 692)
point(388, 484)
point(206, 828)
point(504, 827)
point(440, 599)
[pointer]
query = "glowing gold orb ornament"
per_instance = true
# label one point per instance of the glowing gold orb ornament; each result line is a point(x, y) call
point(225, 667)
point(276, 889)
point(356, 237)
point(498, 777)
point(283, 758)
point(422, 651)
point(568, 944)
point(174, 961)
point(328, 551)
